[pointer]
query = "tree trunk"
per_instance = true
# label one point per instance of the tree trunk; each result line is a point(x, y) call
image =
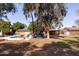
point(32, 23)
point(9, 26)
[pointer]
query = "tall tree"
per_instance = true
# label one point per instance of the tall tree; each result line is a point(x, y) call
point(28, 11)
point(47, 13)
point(77, 11)
point(6, 8)
point(4, 26)
point(77, 21)
point(36, 27)
point(18, 25)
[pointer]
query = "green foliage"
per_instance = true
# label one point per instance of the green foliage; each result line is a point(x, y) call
point(48, 14)
point(18, 25)
point(73, 43)
point(6, 8)
point(4, 26)
point(7, 28)
point(37, 26)
point(77, 22)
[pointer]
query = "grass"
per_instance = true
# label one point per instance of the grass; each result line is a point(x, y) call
point(72, 40)
point(73, 43)
point(61, 44)
point(51, 46)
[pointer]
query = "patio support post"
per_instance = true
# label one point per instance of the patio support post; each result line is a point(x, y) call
point(48, 35)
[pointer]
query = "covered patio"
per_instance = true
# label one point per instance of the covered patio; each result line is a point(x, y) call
point(53, 32)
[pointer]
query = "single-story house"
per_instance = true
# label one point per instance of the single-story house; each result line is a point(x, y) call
point(71, 30)
point(63, 32)
point(53, 32)
point(24, 33)
point(1, 33)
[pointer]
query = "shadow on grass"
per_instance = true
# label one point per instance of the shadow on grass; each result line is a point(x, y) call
point(52, 49)
point(55, 49)
point(77, 38)
point(73, 43)
point(56, 36)
point(8, 49)
point(61, 44)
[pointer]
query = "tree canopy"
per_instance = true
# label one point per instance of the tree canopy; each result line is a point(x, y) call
point(6, 8)
point(47, 13)
point(18, 25)
point(77, 22)
point(37, 27)
point(7, 28)
point(4, 26)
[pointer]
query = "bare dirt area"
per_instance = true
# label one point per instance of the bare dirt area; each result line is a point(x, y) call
point(36, 47)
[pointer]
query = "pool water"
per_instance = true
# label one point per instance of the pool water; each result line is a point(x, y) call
point(13, 37)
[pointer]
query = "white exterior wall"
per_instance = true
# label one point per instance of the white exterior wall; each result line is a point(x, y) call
point(66, 32)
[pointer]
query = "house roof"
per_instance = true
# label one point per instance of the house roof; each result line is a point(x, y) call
point(22, 30)
point(53, 29)
point(72, 28)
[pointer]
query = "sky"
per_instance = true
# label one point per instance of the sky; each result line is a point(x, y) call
point(72, 15)
point(68, 21)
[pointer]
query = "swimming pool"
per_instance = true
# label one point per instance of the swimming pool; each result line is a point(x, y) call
point(15, 38)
